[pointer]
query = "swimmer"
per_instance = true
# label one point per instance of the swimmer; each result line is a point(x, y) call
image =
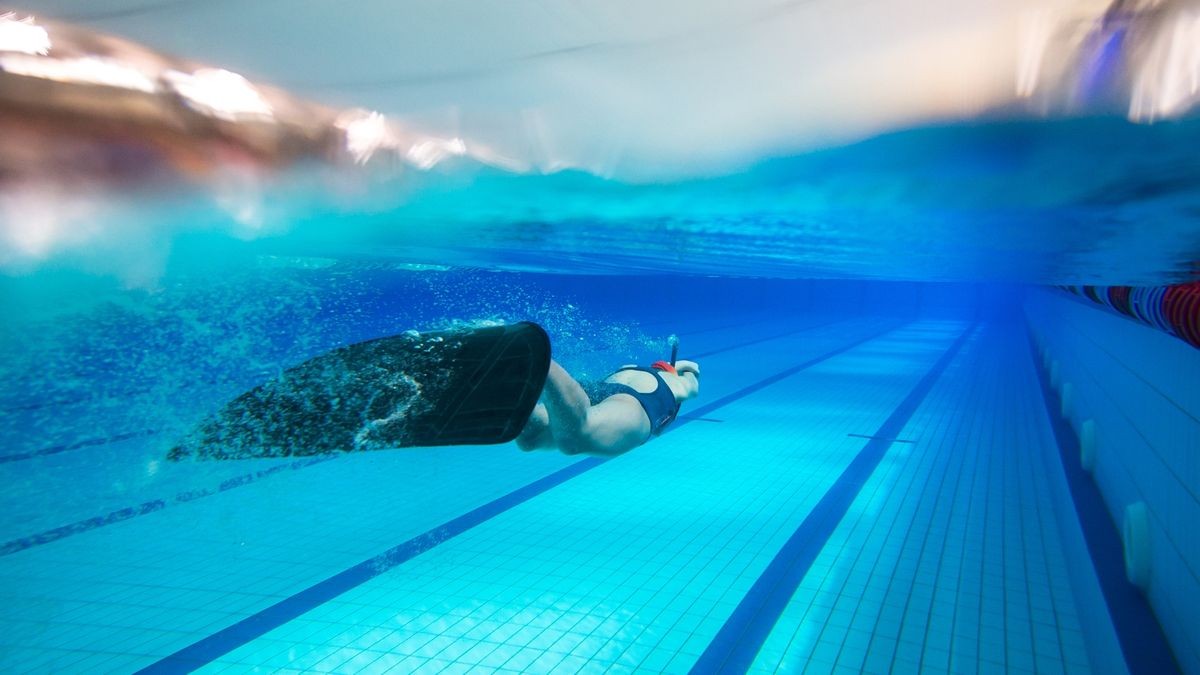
point(478, 385)
point(631, 406)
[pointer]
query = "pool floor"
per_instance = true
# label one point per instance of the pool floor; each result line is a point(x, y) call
point(847, 495)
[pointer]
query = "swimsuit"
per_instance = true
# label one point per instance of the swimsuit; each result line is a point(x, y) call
point(660, 405)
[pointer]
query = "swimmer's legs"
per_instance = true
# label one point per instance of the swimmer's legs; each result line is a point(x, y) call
point(567, 406)
point(560, 420)
point(567, 420)
point(536, 434)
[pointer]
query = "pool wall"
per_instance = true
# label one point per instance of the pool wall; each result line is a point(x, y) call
point(1130, 395)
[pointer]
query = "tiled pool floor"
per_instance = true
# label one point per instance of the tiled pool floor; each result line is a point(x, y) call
point(946, 556)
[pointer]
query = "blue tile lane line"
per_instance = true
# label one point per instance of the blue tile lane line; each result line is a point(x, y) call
point(1142, 641)
point(88, 524)
point(766, 338)
point(209, 649)
point(703, 410)
point(738, 641)
point(86, 443)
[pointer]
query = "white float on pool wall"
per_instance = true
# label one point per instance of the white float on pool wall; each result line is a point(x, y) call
point(1136, 538)
point(1087, 445)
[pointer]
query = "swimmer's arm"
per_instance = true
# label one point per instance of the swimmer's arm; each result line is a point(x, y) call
point(688, 373)
point(691, 385)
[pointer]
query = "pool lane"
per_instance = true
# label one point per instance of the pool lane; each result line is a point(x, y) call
point(951, 559)
point(173, 576)
point(632, 564)
point(214, 646)
point(638, 563)
point(72, 484)
point(738, 642)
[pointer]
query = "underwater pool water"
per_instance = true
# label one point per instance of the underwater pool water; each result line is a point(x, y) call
point(873, 479)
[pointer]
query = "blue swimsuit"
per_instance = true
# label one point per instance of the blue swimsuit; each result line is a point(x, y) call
point(660, 405)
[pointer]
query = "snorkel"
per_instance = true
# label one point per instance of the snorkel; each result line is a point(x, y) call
point(663, 365)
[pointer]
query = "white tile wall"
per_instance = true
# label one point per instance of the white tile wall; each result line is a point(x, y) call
point(1142, 389)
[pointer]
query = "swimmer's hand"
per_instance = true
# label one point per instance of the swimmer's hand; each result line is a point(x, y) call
point(684, 366)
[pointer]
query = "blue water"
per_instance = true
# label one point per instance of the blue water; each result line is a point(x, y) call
point(870, 480)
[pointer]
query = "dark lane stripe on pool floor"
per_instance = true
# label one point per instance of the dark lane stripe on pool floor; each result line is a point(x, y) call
point(758, 340)
point(1141, 637)
point(119, 515)
point(89, 524)
point(85, 443)
point(218, 644)
point(737, 643)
